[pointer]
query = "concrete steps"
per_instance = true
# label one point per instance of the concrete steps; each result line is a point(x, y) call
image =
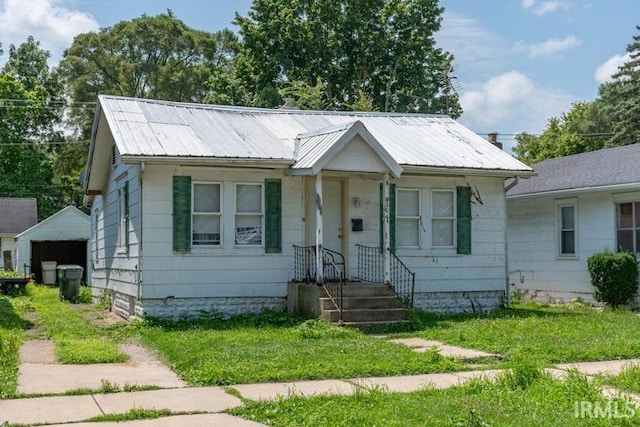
point(365, 304)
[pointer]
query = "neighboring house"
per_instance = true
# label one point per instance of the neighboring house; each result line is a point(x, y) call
point(63, 237)
point(199, 207)
point(575, 206)
point(16, 215)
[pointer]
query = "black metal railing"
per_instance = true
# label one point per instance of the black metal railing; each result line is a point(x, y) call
point(371, 269)
point(333, 272)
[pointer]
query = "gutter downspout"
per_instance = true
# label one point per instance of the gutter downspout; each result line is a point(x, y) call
point(506, 240)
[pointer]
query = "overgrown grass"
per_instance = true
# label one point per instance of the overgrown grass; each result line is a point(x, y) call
point(556, 334)
point(77, 341)
point(525, 397)
point(132, 414)
point(277, 347)
point(628, 379)
point(12, 328)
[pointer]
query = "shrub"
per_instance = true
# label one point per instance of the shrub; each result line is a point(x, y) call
point(614, 275)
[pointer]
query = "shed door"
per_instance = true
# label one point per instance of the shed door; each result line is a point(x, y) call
point(62, 252)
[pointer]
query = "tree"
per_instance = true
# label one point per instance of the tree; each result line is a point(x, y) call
point(155, 57)
point(380, 50)
point(584, 128)
point(622, 97)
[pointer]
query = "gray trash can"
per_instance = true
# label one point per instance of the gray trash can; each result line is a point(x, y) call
point(69, 276)
point(48, 272)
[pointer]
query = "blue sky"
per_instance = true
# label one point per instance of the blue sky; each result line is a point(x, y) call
point(518, 62)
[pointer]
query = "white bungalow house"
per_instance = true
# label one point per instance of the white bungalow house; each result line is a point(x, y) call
point(204, 207)
point(575, 206)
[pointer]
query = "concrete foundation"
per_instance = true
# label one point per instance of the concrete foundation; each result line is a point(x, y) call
point(458, 302)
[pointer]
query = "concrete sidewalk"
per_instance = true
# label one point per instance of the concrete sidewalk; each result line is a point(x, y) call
point(207, 402)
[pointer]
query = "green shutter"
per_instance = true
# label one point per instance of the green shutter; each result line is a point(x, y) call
point(392, 216)
point(181, 213)
point(463, 220)
point(126, 215)
point(273, 216)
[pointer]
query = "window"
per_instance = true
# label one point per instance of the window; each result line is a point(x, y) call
point(123, 216)
point(408, 218)
point(249, 214)
point(628, 226)
point(207, 214)
point(567, 230)
point(443, 213)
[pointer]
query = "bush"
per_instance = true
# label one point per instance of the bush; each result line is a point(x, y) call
point(614, 275)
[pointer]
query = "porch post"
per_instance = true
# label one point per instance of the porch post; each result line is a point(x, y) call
point(319, 243)
point(386, 230)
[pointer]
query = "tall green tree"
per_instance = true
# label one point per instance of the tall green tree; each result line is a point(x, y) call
point(30, 119)
point(383, 51)
point(622, 97)
point(155, 57)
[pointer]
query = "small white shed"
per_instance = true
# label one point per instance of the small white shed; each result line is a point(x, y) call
point(61, 238)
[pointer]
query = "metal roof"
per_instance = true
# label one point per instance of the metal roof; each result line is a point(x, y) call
point(594, 170)
point(149, 128)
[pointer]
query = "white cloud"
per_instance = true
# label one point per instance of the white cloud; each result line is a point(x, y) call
point(511, 103)
point(477, 50)
point(544, 7)
point(549, 47)
point(609, 67)
point(48, 21)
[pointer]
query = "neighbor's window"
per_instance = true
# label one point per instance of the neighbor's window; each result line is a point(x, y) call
point(249, 214)
point(408, 218)
point(443, 216)
point(628, 226)
point(567, 230)
point(207, 214)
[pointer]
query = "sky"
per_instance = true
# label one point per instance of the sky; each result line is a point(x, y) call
point(517, 64)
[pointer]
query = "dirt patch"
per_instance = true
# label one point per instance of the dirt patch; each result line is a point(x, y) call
point(37, 329)
point(97, 315)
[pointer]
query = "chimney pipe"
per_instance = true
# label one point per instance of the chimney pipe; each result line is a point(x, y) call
point(493, 139)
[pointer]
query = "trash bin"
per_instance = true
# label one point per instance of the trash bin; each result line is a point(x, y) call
point(69, 276)
point(48, 272)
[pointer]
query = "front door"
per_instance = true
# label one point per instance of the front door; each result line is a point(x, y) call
point(332, 217)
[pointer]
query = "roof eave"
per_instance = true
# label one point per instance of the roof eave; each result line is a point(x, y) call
point(208, 161)
point(575, 191)
point(462, 171)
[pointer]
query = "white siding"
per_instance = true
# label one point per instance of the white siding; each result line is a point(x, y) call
point(229, 270)
point(115, 267)
point(534, 263)
point(8, 244)
point(439, 270)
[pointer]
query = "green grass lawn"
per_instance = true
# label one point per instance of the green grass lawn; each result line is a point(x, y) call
point(628, 379)
point(526, 397)
point(552, 334)
point(247, 350)
point(12, 327)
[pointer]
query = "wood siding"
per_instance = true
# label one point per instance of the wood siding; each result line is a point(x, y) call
point(533, 242)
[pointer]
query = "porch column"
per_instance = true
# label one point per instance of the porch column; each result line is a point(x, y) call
point(386, 230)
point(318, 204)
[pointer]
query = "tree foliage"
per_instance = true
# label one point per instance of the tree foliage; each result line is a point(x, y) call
point(382, 51)
point(156, 57)
point(30, 118)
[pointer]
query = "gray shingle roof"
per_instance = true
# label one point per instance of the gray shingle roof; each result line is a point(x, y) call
point(602, 168)
point(17, 214)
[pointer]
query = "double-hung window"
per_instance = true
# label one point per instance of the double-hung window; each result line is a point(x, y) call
point(628, 226)
point(249, 214)
point(408, 218)
point(443, 216)
point(207, 214)
point(567, 230)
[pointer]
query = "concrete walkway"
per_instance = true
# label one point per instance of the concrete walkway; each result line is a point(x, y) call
point(202, 406)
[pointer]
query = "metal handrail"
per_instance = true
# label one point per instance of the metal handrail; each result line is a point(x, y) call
point(371, 269)
point(305, 270)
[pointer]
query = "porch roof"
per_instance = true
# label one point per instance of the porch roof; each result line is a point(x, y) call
point(314, 150)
